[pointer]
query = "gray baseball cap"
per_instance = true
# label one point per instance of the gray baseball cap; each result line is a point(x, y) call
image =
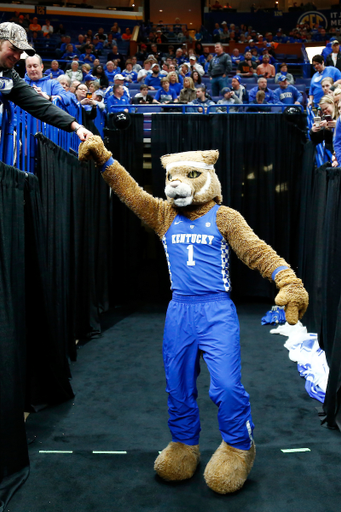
point(16, 35)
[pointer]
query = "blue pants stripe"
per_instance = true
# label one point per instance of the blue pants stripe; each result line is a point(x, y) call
point(209, 324)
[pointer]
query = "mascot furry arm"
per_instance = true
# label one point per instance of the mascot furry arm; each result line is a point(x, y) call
point(159, 215)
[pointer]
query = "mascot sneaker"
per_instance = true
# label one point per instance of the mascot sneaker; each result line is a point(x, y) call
point(177, 461)
point(228, 468)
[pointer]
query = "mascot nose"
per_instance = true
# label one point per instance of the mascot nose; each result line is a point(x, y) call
point(175, 183)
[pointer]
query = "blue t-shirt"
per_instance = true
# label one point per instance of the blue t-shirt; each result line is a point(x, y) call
point(153, 81)
point(162, 96)
point(269, 95)
point(315, 84)
point(130, 74)
point(116, 104)
point(197, 255)
point(176, 88)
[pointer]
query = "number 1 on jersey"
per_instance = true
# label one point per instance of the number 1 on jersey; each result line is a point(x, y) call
point(190, 261)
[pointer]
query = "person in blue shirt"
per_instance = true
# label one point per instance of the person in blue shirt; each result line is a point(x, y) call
point(111, 70)
point(43, 85)
point(118, 80)
point(54, 71)
point(280, 37)
point(287, 93)
point(88, 56)
point(322, 71)
point(154, 79)
point(262, 86)
point(174, 83)
point(165, 94)
point(130, 76)
point(328, 49)
point(117, 102)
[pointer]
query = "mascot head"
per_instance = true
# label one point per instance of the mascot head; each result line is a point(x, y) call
point(191, 178)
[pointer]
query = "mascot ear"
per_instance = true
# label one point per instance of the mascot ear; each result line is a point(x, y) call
point(210, 157)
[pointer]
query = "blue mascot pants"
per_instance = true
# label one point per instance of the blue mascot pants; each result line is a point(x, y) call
point(207, 323)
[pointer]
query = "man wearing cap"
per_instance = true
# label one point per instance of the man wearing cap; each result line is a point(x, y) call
point(195, 66)
point(287, 93)
point(229, 98)
point(13, 41)
point(218, 69)
point(239, 90)
point(118, 80)
point(334, 58)
point(117, 101)
point(153, 80)
point(88, 56)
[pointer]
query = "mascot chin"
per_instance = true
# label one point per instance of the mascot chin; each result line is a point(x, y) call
point(198, 233)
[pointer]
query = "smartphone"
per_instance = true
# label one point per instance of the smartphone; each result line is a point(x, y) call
point(328, 118)
point(317, 121)
point(89, 95)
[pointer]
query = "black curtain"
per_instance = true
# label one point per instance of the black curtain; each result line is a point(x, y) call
point(48, 374)
point(260, 178)
point(129, 238)
point(14, 462)
point(319, 262)
point(75, 203)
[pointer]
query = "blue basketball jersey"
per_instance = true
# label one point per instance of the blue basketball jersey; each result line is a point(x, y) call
point(197, 255)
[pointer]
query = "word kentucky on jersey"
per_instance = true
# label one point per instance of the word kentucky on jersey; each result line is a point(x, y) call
point(190, 238)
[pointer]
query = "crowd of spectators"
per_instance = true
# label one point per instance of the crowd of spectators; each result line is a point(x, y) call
point(167, 73)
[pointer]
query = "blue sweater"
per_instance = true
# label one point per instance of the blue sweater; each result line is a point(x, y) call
point(288, 95)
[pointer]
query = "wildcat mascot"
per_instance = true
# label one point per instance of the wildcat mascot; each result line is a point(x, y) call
point(197, 234)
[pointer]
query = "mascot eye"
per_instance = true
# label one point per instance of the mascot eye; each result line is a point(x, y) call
point(169, 177)
point(193, 174)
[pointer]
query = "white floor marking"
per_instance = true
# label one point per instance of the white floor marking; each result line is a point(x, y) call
point(112, 452)
point(296, 450)
point(55, 451)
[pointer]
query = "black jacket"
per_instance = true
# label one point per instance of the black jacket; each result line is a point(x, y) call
point(330, 62)
point(25, 97)
point(322, 135)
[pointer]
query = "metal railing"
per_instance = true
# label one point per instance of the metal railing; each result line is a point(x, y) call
point(17, 143)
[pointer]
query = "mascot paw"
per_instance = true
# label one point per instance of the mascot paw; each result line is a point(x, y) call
point(228, 468)
point(93, 148)
point(177, 461)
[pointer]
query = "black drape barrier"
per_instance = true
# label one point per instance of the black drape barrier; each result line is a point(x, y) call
point(259, 168)
point(319, 263)
point(128, 236)
point(48, 371)
point(75, 203)
point(14, 463)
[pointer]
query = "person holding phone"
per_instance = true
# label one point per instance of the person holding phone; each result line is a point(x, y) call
point(324, 125)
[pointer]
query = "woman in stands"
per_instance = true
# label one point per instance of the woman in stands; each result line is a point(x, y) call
point(188, 92)
point(86, 68)
point(98, 72)
point(86, 103)
point(174, 82)
point(323, 130)
point(326, 85)
point(196, 78)
point(283, 70)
